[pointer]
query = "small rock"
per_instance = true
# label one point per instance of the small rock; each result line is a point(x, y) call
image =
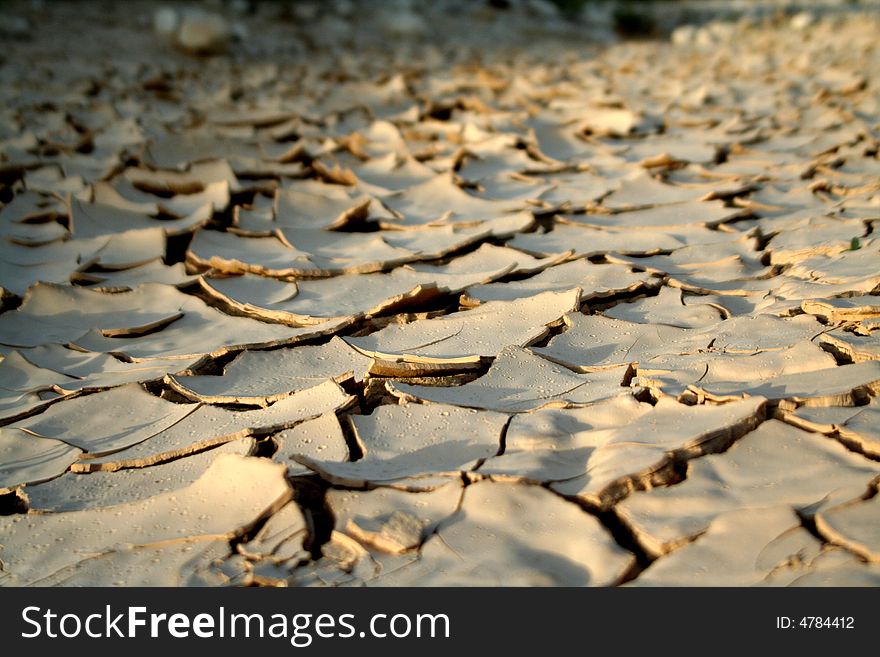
point(165, 22)
point(802, 21)
point(714, 33)
point(684, 35)
point(203, 32)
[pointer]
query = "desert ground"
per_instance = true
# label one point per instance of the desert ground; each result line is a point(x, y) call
point(463, 293)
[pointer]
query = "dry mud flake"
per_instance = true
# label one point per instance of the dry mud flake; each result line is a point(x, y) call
point(751, 547)
point(839, 309)
point(75, 370)
point(343, 562)
point(520, 382)
point(587, 241)
point(712, 264)
point(535, 430)
point(321, 438)
point(15, 405)
point(233, 494)
point(783, 204)
point(197, 178)
point(150, 322)
point(594, 342)
point(789, 293)
point(263, 377)
point(558, 143)
point(678, 216)
point(641, 190)
point(129, 279)
point(55, 313)
point(514, 535)
point(440, 201)
point(235, 254)
point(174, 565)
point(615, 461)
point(822, 236)
point(851, 346)
point(33, 235)
point(202, 330)
point(775, 464)
point(20, 376)
point(855, 269)
point(853, 526)
point(403, 444)
point(844, 385)
point(208, 426)
point(674, 149)
point(557, 444)
point(674, 374)
point(463, 338)
point(839, 567)
point(667, 308)
point(78, 492)
point(122, 251)
point(862, 430)
point(514, 190)
point(318, 253)
point(28, 207)
point(856, 427)
point(358, 295)
point(349, 252)
point(392, 173)
point(275, 550)
point(393, 523)
point(25, 387)
point(762, 332)
point(574, 190)
point(26, 458)
point(109, 421)
point(180, 151)
point(362, 295)
point(21, 267)
point(88, 220)
point(596, 282)
point(254, 296)
point(328, 207)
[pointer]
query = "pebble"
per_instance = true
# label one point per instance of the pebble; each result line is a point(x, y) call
point(193, 30)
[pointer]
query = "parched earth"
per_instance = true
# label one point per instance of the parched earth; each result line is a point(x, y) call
point(366, 300)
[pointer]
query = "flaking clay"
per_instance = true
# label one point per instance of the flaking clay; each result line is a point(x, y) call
point(438, 294)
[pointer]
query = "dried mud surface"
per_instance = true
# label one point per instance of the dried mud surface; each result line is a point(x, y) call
point(383, 306)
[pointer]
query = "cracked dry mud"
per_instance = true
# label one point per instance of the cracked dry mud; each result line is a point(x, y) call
point(439, 313)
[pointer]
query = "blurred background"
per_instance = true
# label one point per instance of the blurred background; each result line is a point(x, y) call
point(211, 26)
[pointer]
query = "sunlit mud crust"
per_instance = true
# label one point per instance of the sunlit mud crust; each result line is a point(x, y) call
point(341, 295)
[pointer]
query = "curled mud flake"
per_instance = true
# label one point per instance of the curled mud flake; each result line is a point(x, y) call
point(26, 458)
point(410, 442)
point(853, 526)
point(750, 547)
point(516, 535)
point(208, 426)
point(520, 382)
point(764, 468)
point(233, 494)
